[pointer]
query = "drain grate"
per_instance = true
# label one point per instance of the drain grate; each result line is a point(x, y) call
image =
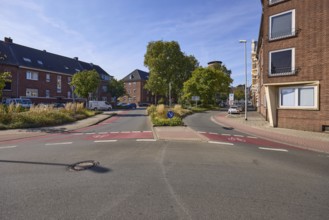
point(83, 165)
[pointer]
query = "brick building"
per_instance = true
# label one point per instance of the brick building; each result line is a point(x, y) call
point(134, 84)
point(43, 76)
point(293, 62)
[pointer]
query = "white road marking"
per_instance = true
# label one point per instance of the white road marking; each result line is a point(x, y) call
point(91, 133)
point(105, 141)
point(202, 132)
point(114, 132)
point(146, 140)
point(212, 133)
point(125, 132)
point(216, 142)
point(7, 147)
point(252, 137)
point(78, 134)
point(236, 135)
point(226, 134)
point(136, 131)
point(273, 149)
point(62, 143)
point(147, 131)
point(102, 132)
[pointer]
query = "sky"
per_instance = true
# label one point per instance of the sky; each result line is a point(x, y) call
point(114, 34)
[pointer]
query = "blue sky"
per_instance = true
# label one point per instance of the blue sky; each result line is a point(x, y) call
point(114, 33)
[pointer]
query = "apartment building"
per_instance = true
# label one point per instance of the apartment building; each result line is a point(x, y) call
point(134, 84)
point(43, 76)
point(293, 62)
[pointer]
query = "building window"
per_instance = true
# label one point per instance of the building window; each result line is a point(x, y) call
point(298, 97)
point(28, 60)
point(271, 2)
point(47, 93)
point(104, 88)
point(59, 84)
point(7, 86)
point(282, 62)
point(32, 75)
point(69, 79)
point(47, 77)
point(282, 25)
point(31, 92)
point(134, 91)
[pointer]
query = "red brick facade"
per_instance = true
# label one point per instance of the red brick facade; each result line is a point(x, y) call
point(47, 86)
point(311, 58)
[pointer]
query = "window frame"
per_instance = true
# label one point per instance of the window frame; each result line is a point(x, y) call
point(293, 25)
point(31, 92)
point(296, 98)
point(293, 64)
point(30, 75)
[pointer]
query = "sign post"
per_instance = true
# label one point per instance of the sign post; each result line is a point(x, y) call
point(196, 99)
point(231, 99)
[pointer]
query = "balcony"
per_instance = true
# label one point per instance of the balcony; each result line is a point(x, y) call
point(284, 71)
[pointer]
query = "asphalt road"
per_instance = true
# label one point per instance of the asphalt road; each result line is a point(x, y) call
point(143, 179)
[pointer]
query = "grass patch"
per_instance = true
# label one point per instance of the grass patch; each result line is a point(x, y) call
point(14, 117)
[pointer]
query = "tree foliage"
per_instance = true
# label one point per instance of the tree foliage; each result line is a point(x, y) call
point(85, 82)
point(116, 88)
point(4, 77)
point(168, 64)
point(239, 93)
point(207, 83)
point(156, 85)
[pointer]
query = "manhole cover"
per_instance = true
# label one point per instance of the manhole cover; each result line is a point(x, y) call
point(83, 165)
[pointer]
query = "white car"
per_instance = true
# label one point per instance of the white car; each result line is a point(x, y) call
point(99, 105)
point(233, 110)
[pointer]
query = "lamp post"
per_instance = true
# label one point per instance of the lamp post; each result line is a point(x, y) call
point(245, 85)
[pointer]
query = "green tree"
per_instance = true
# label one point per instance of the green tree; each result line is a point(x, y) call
point(170, 64)
point(4, 77)
point(239, 93)
point(85, 82)
point(206, 83)
point(155, 84)
point(116, 88)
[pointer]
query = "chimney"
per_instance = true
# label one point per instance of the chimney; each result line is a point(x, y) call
point(8, 40)
point(76, 58)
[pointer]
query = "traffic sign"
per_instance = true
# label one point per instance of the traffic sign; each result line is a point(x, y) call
point(170, 114)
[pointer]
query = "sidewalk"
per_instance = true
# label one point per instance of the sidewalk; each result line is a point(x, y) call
point(12, 134)
point(256, 125)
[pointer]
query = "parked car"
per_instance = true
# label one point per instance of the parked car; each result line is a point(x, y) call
point(99, 105)
point(233, 110)
point(144, 104)
point(129, 106)
point(24, 102)
point(58, 105)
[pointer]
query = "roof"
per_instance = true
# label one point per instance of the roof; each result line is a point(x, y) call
point(136, 75)
point(18, 55)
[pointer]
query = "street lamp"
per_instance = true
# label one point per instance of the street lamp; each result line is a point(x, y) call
point(245, 71)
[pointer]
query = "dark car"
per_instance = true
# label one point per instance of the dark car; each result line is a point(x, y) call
point(144, 104)
point(131, 106)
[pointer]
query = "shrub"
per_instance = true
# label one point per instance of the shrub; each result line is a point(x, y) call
point(151, 109)
point(175, 121)
point(161, 110)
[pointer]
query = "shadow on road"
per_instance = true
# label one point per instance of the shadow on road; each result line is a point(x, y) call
point(97, 168)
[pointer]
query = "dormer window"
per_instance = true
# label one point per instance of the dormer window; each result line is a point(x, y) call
point(66, 68)
point(77, 70)
point(131, 76)
point(27, 59)
point(40, 62)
